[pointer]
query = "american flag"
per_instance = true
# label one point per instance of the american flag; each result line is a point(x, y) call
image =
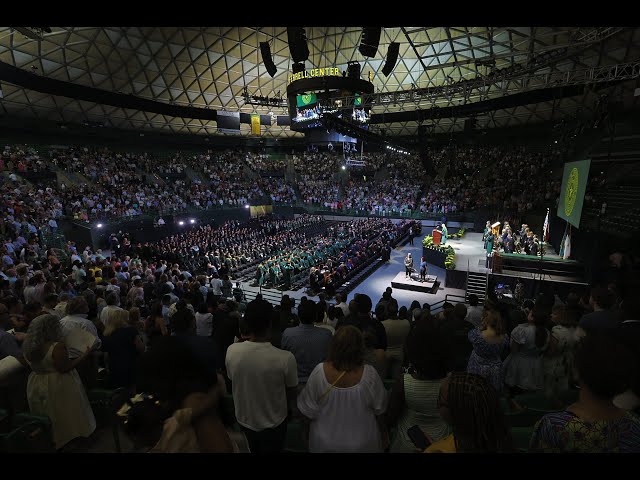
point(545, 229)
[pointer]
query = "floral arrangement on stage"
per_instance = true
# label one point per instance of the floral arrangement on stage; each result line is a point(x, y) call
point(448, 250)
point(459, 234)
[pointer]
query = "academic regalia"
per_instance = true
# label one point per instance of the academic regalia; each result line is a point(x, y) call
point(534, 248)
point(490, 242)
point(508, 245)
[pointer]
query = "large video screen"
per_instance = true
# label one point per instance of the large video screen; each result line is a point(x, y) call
point(360, 114)
point(228, 122)
point(574, 184)
point(309, 107)
point(307, 110)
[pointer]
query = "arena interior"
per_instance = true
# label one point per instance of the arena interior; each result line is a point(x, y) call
point(319, 239)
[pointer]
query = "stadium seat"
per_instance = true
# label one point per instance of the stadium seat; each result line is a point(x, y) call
point(28, 433)
point(537, 401)
point(296, 441)
point(521, 438)
point(524, 418)
point(227, 413)
point(105, 404)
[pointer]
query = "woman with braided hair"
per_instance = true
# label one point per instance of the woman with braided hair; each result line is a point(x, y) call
point(471, 406)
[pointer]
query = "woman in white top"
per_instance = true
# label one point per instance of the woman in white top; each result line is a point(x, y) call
point(204, 321)
point(343, 399)
point(523, 366)
point(558, 359)
point(54, 388)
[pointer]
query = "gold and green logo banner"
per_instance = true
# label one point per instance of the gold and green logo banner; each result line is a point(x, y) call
point(574, 184)
point(255, 125)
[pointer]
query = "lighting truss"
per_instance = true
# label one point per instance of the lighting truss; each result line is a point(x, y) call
point(485, 87)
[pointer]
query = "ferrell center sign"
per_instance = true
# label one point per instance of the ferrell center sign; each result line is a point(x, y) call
point(316, 72)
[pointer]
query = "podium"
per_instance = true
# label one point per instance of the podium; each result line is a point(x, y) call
point(437, 236)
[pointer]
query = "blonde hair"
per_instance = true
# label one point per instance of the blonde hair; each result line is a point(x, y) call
point(492, 318)
point(117, 319)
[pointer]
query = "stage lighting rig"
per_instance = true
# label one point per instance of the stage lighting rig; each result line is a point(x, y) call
point(276, 101)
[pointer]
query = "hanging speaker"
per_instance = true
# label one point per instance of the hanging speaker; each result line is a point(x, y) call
point(298, 47)
point(392, 58)
point(370, 41)
point(265, 49)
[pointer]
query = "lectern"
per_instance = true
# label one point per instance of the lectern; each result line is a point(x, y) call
point(437, 236)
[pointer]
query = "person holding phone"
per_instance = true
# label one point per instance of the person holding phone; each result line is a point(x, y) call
point(419, 438)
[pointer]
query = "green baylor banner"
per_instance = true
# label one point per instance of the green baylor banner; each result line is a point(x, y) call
point(574, 184)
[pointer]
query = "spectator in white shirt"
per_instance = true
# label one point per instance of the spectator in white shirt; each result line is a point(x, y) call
point(113, 304)
point(204, 321)
point(341, 305)
point(216, 285)
point(474, 311)
point(77, 311)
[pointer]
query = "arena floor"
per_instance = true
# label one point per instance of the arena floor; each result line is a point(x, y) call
point(379, 280)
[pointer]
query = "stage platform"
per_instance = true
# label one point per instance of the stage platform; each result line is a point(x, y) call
point(471, 255)
point(430, 285)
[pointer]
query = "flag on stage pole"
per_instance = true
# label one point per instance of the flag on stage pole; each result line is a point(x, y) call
point(545, 229)
point(564, 239)
point(567, 245)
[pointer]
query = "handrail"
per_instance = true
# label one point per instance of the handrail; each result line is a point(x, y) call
point(466, 287)
point(436, 307)
point(453, 295)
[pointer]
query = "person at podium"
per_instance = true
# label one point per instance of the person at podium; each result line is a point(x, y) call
point(445, 233)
